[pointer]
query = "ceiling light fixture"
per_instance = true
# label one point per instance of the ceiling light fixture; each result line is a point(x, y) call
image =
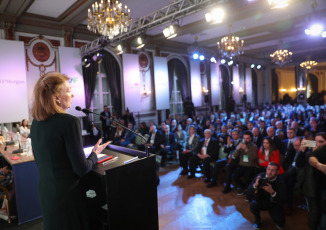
point(215, 16)
point(230, 46)
point(109, 18)
point(316, 27)
point(171, 31)
point(277, 4)
point(281, 56)
point(309, 65)
point(140, 42)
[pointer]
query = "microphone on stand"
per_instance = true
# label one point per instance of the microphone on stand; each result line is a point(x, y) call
point(87, 111)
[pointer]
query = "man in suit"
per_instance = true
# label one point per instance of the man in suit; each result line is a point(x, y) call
point(168, 144)
point(155, 140)
point(293, 155)
point(262, 128)
point(299, 132)
point(268, 192)
point(225, 157)
point(105, 122)
point(277, 143)
point(207, 152)
point(287, 144)
point(257, 138)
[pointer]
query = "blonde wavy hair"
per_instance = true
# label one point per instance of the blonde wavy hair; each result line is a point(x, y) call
point(47, 87)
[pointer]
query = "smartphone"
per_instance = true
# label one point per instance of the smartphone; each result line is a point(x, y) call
point(308, 143)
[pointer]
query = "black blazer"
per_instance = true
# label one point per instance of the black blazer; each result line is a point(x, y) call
point(171, 140)
point(103, 119)
point(158, 140)
point(258, 142)
point(212, 148)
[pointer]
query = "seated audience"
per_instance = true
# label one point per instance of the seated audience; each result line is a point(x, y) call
point(267, 154)
point(155, 140)
point(268, 193)
point(118, 135)
point(168, 144)
point(128, 136)
point(206, 152)
point(191, 146)
point(225, 157)
point(181, 138)
point(247, 154)
point(24, 129)
point(257, 138)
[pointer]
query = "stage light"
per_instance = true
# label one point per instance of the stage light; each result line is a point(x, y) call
point(223, 61)
point(323, 34)
point(230, 62)
point(201, 57)
point(140, 42)
point(215, 16)
point(315, 30)
point(258, 66)
point(119, 49)
point(213, 60)
point(252, 66)
point(171, 31)
point(195, 56)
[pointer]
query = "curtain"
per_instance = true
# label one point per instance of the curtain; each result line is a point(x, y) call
point(171, 68)
point(274, 86)
point(112, 71)
point(89, 75)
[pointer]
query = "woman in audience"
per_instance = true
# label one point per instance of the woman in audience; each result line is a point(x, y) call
point(23, 129)
point(191, 145)
point(181, 137)
point(267, 154)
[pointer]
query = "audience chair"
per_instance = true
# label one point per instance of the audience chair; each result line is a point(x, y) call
point(5, 212)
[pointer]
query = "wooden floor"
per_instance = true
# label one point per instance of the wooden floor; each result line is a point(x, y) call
point(185, 204)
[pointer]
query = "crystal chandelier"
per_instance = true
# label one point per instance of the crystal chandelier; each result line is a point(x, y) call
point(308, 65)
point(230, 46)
point(108, 18)
point(281, 57)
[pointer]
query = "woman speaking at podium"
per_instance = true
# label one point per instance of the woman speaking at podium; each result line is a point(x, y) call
point(58, 151)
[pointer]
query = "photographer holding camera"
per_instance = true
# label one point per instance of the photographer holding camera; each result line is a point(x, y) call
point(268, 193)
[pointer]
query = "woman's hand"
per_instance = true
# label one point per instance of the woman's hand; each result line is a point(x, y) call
point(98, 148)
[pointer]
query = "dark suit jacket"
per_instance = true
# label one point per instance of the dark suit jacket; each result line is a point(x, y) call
point(212, 148)
point(258, 142)
point(263, 132)
point(286, 147)
point(103, 119)
point(171, 140)
point(195, 142)
point(158, 141)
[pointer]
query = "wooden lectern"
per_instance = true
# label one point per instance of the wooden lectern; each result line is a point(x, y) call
point(123, 192)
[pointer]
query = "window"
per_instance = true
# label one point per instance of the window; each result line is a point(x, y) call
point(176, 104)
point(101, 95)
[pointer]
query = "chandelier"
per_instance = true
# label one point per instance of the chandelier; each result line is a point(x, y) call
point(108, 18)
point(308, 65)
point(281, 57)
point(230, 46)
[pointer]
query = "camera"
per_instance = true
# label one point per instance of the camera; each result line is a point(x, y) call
point(262, 182)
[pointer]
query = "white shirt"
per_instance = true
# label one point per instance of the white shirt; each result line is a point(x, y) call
point(190, 140)
point(204, 148)
point(266, 155)
point(24, 130)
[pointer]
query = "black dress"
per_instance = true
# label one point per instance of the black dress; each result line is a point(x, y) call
point(58, 151)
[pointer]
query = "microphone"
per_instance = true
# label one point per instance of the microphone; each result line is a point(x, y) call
point(86, 111)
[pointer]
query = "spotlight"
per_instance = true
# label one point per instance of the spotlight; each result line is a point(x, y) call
point(223, 61)
point(258, 66)
point(323, 34)
point(195, 56)
point(315, 30)
point(252, 66)
point(119, 49)
point(230, 63)
point(140, 42)
point(215, 16)
point(171, 31)
point(201, 57)
point(86, 62)
point(213, 60)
